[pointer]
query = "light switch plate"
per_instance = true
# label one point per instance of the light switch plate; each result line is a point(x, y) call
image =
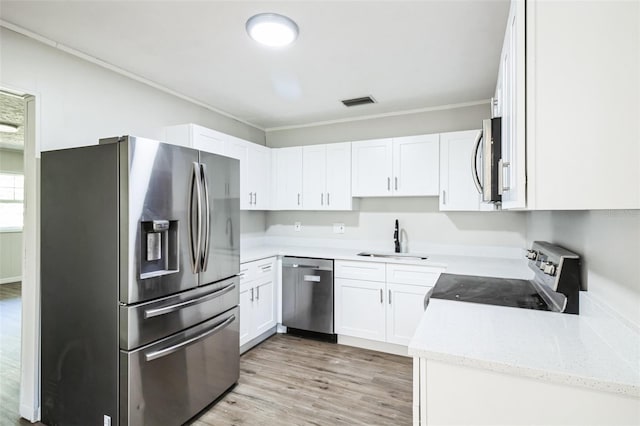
point(338, 228)
point(297, 226)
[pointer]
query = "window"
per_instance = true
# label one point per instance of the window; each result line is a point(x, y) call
point(11, 201)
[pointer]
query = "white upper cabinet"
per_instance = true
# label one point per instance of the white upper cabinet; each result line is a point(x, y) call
point(457, 191)
point(415, 165)
point(371, 168)
point(406, 166)
point(255, 173)
point(287, 182)
point(581, 109)
point(510, 93)
point(197, 137)
point(326, 179)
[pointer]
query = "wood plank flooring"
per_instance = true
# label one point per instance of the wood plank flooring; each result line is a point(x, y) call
point(293, 381)
point(285, 380)
point(10, 320)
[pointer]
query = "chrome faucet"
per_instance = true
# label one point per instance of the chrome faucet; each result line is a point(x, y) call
point(396, 237)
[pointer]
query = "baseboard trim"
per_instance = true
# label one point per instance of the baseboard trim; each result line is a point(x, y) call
point(253, 342)
point(30, 413)
point(373, 345)
point(10, 280)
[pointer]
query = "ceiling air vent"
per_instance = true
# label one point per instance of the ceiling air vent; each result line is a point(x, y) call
point(358, 101)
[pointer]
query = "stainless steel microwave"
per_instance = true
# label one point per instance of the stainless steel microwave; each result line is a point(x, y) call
point(486, 160)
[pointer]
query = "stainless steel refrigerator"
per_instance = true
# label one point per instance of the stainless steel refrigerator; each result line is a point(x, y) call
point(140, 255)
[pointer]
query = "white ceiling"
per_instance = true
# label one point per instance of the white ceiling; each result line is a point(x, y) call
point(406, 54)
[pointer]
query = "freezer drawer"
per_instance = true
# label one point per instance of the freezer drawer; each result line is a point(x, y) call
point(144, 323)
point(168, 382)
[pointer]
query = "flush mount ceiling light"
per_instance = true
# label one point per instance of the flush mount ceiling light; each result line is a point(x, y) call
point(272, 29)
point(8, 128)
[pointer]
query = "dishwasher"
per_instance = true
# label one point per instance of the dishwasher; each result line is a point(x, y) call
point(307, 297)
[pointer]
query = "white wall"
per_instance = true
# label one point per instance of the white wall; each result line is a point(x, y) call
point(419, 217)
point(435, 121)
point(609, 243)
point(81, 102)
point(11, 242)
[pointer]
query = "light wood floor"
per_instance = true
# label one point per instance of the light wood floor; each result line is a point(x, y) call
point(10, 319)
point(292, 381)
point(283, 381)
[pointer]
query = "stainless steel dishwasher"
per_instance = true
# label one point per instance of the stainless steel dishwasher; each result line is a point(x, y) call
point(307, 297)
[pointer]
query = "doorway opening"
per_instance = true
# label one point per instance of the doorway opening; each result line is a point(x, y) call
point(19, 273)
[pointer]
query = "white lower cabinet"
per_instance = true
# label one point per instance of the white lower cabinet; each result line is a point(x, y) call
point(257, 300)
point(359, 308)
point(381, 302)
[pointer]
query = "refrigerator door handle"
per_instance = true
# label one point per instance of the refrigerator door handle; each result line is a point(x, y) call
point(196, 184)
point(207, 219)
point(150, 356)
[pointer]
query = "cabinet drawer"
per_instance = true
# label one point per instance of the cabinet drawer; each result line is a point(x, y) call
point(368, 271)
point(250, 271)
point(412, 274)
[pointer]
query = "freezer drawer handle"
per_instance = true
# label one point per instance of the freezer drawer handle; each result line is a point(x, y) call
point(312, 278)
point(171, 349)
point(150, 313)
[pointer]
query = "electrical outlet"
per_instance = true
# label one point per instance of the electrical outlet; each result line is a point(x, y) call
point(338, 228)
point(297, 226)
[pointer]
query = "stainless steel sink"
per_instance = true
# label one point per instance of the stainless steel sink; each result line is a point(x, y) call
point(404, 256)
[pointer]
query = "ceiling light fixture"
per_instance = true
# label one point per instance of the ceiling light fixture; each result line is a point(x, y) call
point(272, 29)
point(8, 128)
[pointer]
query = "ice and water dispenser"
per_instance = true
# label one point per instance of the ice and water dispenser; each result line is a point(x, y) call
point(159, 251)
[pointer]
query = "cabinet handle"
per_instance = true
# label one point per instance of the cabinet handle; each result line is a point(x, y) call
point(250, 198)
point(388, 184)
point(321, 199)
point(381, 296)
point(502, 167)
point(328, 200)
point(298, 198)
point(266, 268)
point(251, 294)
point(257, 293)
point(444, 197)
point(396, 179)
point(389, 296)
point(255, 198)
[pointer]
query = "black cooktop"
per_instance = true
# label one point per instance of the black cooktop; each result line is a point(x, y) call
point(489, 291)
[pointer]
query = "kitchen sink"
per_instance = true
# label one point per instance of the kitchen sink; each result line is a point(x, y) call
point(405, 256)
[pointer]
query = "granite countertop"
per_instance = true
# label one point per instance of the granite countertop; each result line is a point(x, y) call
point(554, 347)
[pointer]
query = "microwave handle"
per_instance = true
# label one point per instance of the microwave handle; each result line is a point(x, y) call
point(474, 162)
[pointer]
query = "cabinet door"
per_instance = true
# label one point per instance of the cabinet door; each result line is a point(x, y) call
point(359, 309)
point(405, 306)
point(258, 176)
point(246, 313)
point(371, 168)
point(239, 149)
point(513, 110)
point(457, 191)
point(339, 176)
point(208, 140)
point(287, 168)
point(415, 165)
point(264, 311)
point(314, 176)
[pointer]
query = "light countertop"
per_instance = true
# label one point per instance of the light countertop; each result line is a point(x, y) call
point(555, 347)
point(454, 264)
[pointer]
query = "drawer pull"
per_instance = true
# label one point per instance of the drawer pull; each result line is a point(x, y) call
point(171, 349)
point(150, 313)
point(312, 278)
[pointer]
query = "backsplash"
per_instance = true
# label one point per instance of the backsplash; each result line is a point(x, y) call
point(609, 243)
